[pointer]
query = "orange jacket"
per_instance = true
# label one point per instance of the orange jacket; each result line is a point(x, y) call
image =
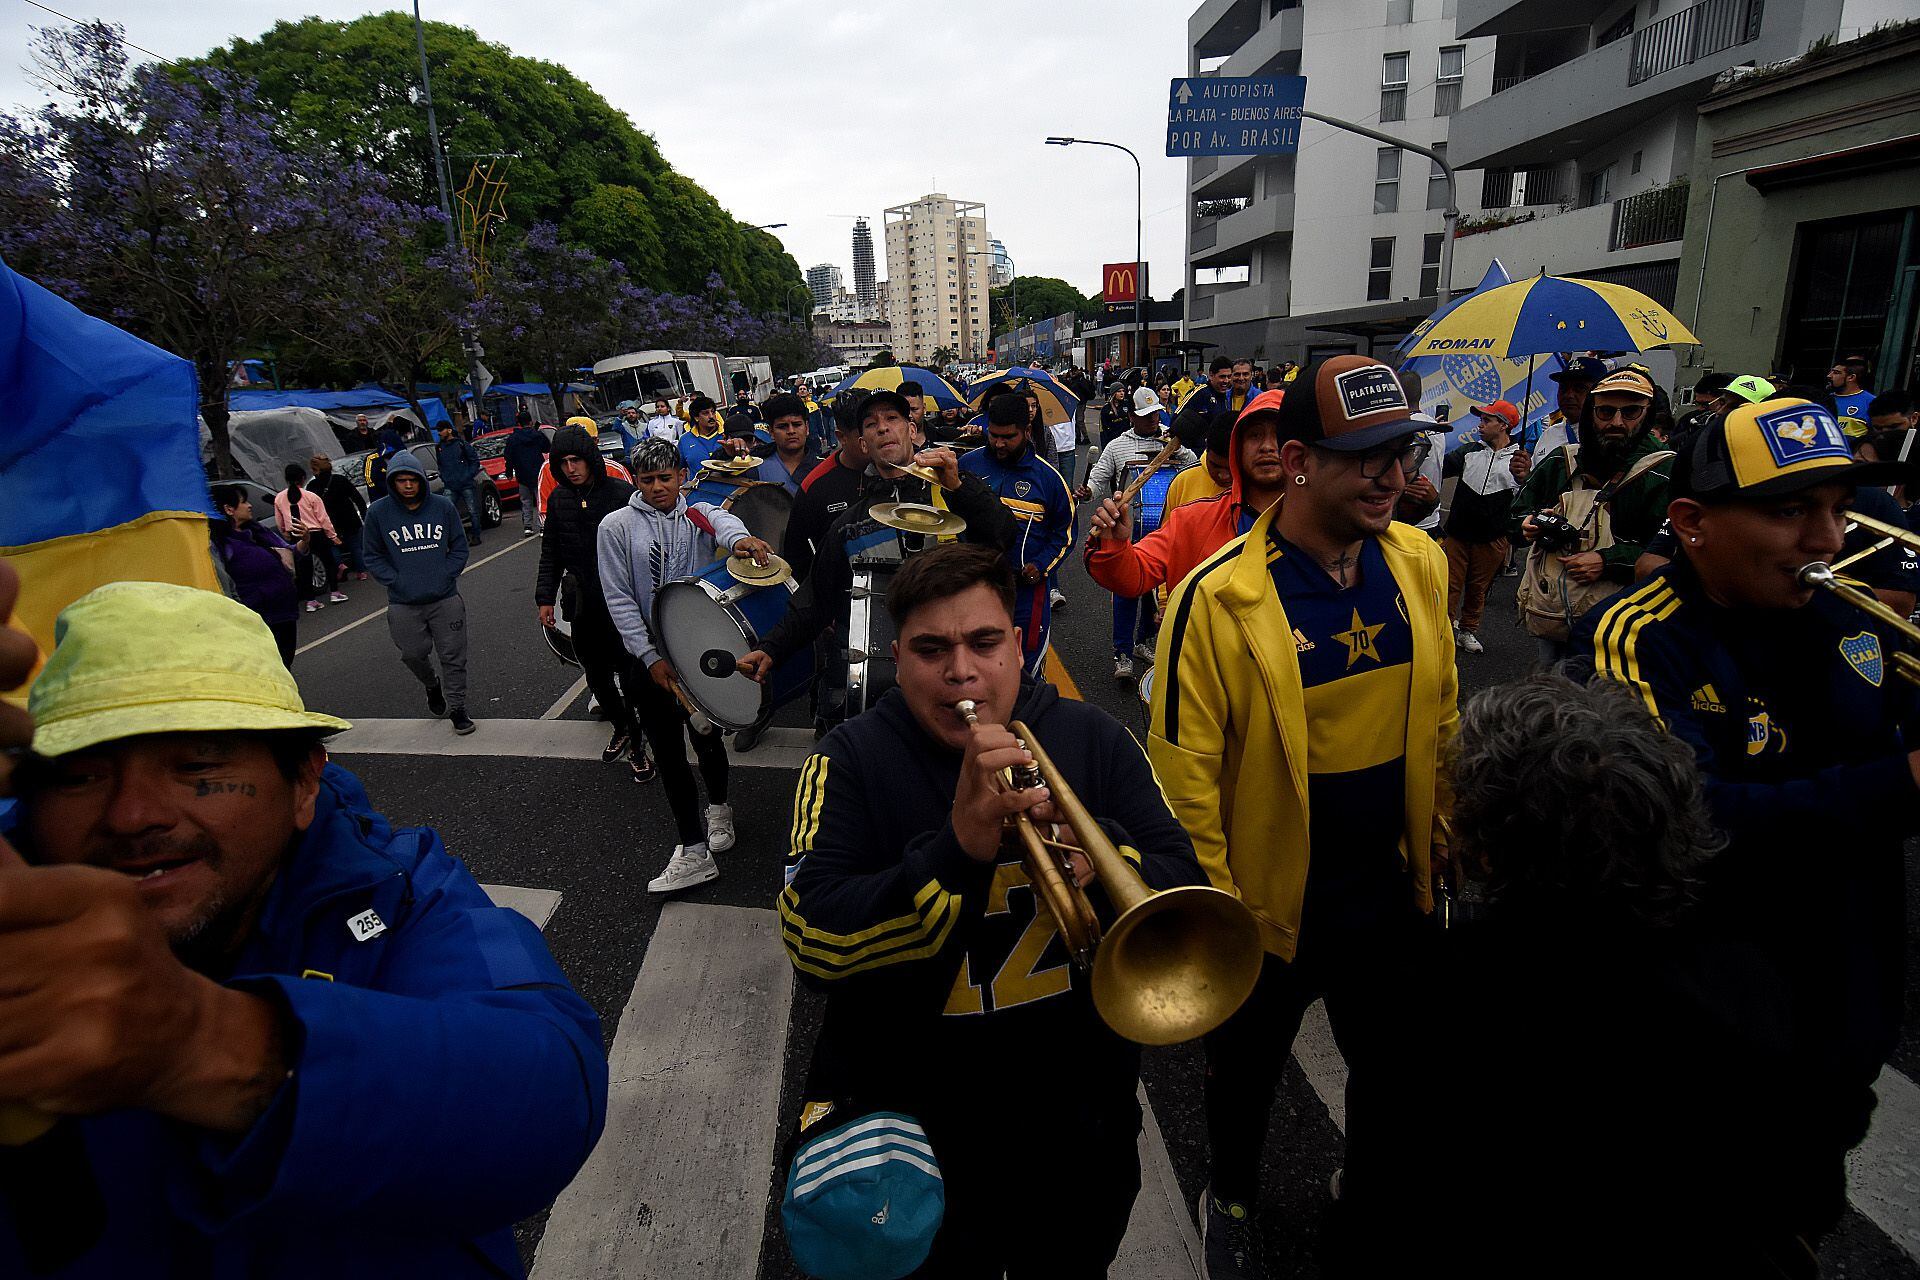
point(1186, 536)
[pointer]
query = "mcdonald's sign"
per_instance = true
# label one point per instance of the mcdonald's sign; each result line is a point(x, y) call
point(1122, 281)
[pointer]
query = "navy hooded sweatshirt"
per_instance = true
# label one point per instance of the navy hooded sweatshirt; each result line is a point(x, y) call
point(417, 554)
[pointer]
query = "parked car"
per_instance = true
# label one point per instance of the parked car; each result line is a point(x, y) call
point(492, 448)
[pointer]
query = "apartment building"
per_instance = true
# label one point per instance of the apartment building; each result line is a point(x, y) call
point(846, 307)
point(1337, 247)
point(1586, 141)
point(937, 271)
point(823, 281)
point(857, 341)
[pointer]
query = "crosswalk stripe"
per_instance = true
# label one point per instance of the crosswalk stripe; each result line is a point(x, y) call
point(565, 700)
point(1161, 1242)
point(538, 740)
point(537, 905)
point(678, 1185)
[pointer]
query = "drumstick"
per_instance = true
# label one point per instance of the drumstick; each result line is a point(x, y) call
point(1126, 496)
point(695, 716)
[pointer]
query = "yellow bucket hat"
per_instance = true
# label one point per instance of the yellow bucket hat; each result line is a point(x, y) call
point(591, 427)
point(134, 658)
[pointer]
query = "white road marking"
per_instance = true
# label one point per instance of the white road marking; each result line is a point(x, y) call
point(565, 700)
point(1160, 1240)
point(537, 905)
point(1320, 1059)
point(678, 1185)
point(537, 740)
point(382, 610)
point(1883, 1172)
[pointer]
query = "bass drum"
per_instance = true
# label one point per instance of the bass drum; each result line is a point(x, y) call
point(870, 635)
point(559, 636)
point(705, 623)
point(760, 505)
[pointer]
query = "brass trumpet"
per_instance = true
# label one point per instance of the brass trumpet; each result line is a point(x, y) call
point(1175, 964)
point(1904, 663)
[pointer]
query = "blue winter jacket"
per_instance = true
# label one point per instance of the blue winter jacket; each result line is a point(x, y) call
point(446, 1083)
point(459, 464)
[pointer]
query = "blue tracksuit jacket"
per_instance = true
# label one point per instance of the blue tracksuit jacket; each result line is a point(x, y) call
point(1042, 510)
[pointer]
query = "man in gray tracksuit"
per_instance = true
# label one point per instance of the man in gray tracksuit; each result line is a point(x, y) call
point(414, 545)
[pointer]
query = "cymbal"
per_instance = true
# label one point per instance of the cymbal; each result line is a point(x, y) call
point(730, 466)
point(910, 468)
point(915, 517)
point(772, 573)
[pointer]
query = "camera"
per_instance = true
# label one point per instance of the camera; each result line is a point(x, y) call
point(1554, 532)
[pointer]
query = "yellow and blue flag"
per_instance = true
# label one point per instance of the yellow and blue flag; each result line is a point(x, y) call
point(100, 475)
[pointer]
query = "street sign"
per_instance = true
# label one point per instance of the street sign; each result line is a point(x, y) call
point(1121, 281)
point(1235, 116)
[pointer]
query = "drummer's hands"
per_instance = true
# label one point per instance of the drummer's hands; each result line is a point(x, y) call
point(1111, 520)
point(1030, 574)
point(980, 804)
point(754, 547)
point(546, 615)
point(662, 673)
point(757, 665)
point(945, 463)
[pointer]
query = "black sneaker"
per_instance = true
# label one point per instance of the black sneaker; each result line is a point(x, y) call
point(436, 700)
point(462, 722)
point(616, 746)
point(1229, 1241)
point(642, 765)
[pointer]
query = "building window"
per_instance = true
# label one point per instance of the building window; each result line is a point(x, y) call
point(1399, 12)
point(1446, 86)
point(1618, 31)
point(1380, 270)
point(1636, 161)
point(1393, 87)
point(1386, 181)
point(1598, 186)
point(1430, 264)
point(1437, 180)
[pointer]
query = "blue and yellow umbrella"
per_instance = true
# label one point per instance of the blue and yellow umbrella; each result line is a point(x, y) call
point(1057, 404)
point(1543, 314)
point(934, 389)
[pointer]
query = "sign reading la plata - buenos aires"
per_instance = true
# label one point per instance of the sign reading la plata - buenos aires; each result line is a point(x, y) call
point(1238, 116)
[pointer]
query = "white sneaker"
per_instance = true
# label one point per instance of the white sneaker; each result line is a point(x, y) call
point(338, 597)
point(719, 828)
point(315, 606)
point(1057, 598)
point(1143, 651)
point(685, 869)
point(1122, 667)
point(1470, 642)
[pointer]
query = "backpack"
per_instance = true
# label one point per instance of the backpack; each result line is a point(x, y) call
point(1549, 602)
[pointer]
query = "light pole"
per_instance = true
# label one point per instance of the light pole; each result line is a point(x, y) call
point(1013, 282)
point(770, 226)
point(469, 343)
point(1139, 286)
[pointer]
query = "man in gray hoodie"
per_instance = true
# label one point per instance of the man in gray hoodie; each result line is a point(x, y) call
point(414, 545)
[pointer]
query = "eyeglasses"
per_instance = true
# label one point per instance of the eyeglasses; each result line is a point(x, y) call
point(1375, 463)
point(1624, 412)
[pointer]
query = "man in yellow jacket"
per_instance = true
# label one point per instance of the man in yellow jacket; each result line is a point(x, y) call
point(1306, 698)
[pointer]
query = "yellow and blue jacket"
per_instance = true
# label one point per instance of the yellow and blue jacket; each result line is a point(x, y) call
point(1229, 728)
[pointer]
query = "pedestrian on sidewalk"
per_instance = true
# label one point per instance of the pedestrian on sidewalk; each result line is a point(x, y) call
point(414, 546)
point(656, 538)
point(1476, 531)
point(301, 513)
point(570, 564)
point(260, 563)
point(345, 507)
point(525, 453)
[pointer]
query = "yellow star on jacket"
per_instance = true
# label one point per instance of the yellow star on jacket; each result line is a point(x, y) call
point(1359, 640)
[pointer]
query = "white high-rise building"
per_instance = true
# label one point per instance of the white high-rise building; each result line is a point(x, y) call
point(1328, 249)
point(863, 274)
point(823, 281)
point(937, 272)
point(1002, 265)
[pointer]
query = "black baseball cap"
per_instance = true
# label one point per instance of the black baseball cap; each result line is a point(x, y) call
point(884, 396)
point(1584, 369)
point(1346, 403)
point(1772, 449)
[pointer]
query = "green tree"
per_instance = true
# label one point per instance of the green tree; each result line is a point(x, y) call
point(1040, 297)
point(618, 222)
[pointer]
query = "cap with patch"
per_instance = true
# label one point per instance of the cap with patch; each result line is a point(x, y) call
point(1145, 401)
point(1751, 389)
point(1585, 369)
point(1775, 448)
point(1633, 382)
point(885, 396)
point(1346, 403)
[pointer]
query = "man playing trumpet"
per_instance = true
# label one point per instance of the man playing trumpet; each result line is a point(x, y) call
point(950, 996)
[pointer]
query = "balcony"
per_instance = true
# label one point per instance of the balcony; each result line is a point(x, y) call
point(1658, 216)
point(1271, 51)
point(1692, 34)
point(1510, 17)
point(1218, 27)
point(1237, 233)
point(1640, 229)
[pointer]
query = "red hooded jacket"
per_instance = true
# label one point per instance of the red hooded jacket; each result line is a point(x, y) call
point(1186, 536)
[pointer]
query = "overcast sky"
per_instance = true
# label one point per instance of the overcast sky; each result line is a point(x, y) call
point(796, 111)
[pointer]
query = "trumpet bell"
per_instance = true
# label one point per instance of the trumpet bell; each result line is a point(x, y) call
point(1176, 965)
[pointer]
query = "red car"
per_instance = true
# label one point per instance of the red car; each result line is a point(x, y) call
point(492, 448)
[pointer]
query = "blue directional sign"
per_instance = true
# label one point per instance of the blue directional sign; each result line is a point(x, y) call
point(1237, 116)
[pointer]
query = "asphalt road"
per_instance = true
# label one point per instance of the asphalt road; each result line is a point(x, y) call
point(586, 830)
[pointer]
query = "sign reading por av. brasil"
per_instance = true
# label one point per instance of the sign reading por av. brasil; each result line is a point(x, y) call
point(1238, 116)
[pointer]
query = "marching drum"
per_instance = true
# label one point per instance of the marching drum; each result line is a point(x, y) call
point(762, 506)
point(1152, 502)
point(705, 623)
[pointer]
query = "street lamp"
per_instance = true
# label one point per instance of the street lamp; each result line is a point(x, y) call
point(1139, 286)
point(770, 226)
point(1013, 283)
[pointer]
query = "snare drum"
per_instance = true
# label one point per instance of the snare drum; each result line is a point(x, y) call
point(1152, 508)
point(761, 506)
point(705, 623)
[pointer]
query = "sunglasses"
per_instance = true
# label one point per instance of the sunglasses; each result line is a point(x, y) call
point(1375, 463)
point(1624, 412)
